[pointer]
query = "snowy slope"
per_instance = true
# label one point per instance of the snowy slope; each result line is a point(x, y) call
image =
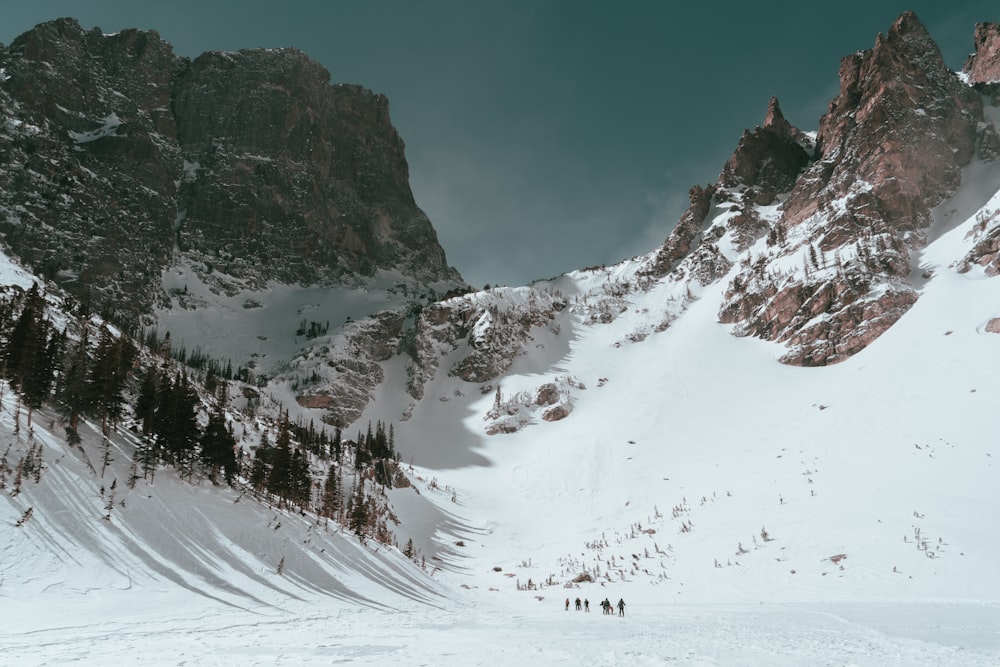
point(875, 481)
point(887, 459)
point(749, 512)
point(81, 536)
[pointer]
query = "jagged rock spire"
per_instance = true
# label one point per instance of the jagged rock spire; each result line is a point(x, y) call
point(892, 146)
point(767, 159)
point(775, 119)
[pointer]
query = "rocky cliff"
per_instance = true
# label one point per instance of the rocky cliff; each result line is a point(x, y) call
point(813, 237)
point(839, 217)
point(252, 167)
point(117, 157)
point(983, 66)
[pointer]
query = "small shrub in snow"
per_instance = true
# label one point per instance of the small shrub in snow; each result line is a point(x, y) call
point(24, 517)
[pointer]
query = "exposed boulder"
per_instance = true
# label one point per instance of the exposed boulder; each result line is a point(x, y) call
point(985, 236)
point(548, 394)
point(551, 401)
point(556, 413)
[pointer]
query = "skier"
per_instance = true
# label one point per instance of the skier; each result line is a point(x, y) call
point(586, 605)
point(567, 604)
point(621, 607)
point(607, 606)
point(578, 607)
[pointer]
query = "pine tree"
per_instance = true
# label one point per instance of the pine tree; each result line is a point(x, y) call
point(337, 444)
point(39, 371)
point(812, 257)
point(330, 500)
point(26, 357)
point(300, 481)
point(175, 423)
point(279, 480)
point(108, 375)
point(20, 348)
point(261, 466)
point(218, 447)
point(145, 404)
point(71, 391)
point(106, 458)
point(359, 512)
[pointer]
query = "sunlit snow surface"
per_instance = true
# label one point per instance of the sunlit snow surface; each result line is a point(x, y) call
point(875, 480)
point(170, 630)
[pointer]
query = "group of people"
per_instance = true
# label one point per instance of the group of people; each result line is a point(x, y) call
point(605, 605)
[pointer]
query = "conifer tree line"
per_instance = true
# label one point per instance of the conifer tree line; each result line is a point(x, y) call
point(182, 417)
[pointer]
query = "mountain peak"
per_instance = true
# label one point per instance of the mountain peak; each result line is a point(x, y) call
point(774, 118)
point(870, 180)
point(908, 24)
point(768, 159)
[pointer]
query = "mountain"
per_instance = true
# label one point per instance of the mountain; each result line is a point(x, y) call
point(772, 435)
point(816, 236)
point(121, 160)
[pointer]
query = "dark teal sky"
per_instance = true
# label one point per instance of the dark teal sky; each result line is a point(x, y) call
point(546, 135)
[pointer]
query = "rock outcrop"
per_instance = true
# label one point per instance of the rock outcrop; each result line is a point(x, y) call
point(685, 234)
point(893, 142)
point(983, 66)
point(891, 147)
point(492, 328)
point(117, 156)
point(768, 160)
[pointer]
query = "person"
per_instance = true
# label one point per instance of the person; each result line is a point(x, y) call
point(621, 607)
point(586, 604)
point(607, 606)
point(567, 604)
point(578, 604)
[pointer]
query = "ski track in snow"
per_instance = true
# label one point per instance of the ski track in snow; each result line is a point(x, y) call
point(534, 633)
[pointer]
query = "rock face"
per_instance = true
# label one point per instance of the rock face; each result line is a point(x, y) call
point(768, 160)
point(983, 66)
point(815, 236)
point(902, 124)
point(985, 252)
point(685, 234)
point(841, 213)
point(285, 168)
point(117, 157)
point(891, 147)
point(492, 328)
point(475, 337)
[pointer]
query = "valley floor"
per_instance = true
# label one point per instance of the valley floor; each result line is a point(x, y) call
point(495, 629)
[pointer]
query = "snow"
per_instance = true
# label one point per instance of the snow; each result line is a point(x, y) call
point(749, 513)
point(492, 634)
point(109, 128)
point(259, 325)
